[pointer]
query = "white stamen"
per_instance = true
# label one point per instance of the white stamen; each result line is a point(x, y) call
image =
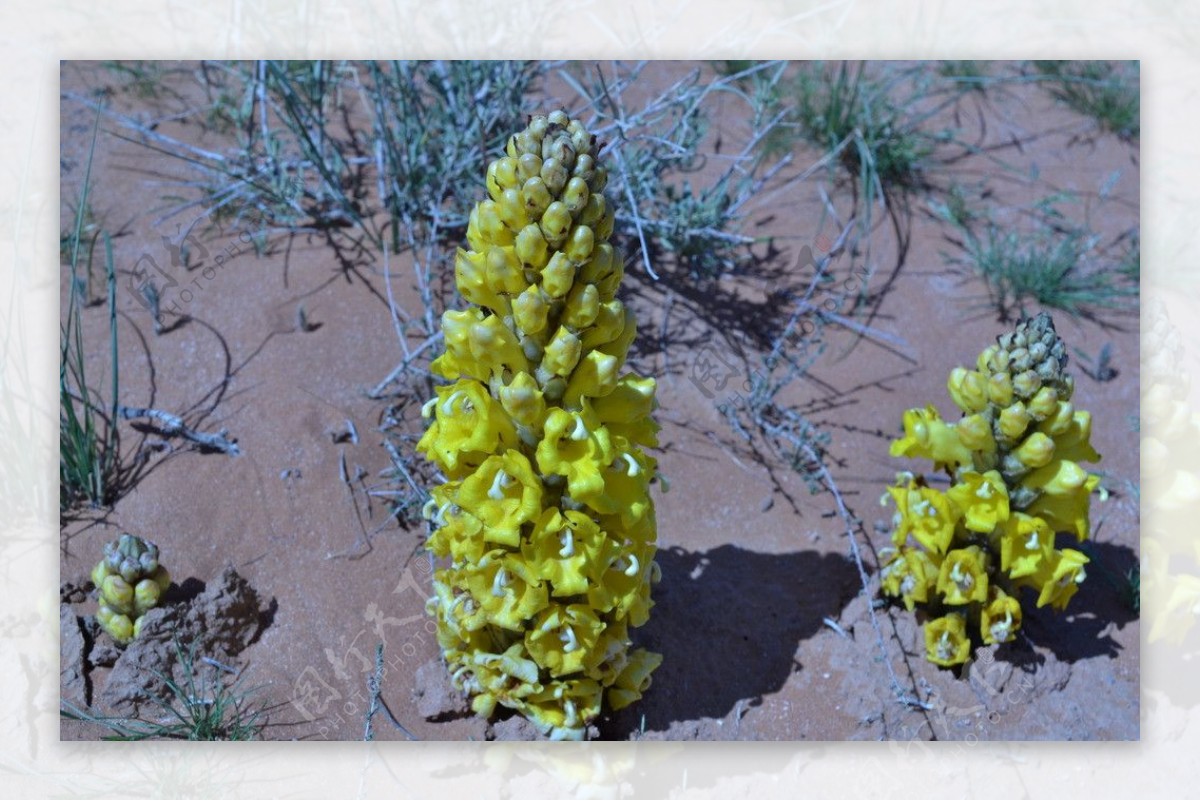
point(569, 709)
point(633, 465)
point(568, 543)
point(655, 573)
point(884, 498)
point(1080, 576)
point(568, 638)
point(427, 408)
point(1033, 542)
point(931, 512)
point(920, 506)
point(448, 406)
point(945, 651)
point(580, 433)
point(908, 585)
point(427, 509)
point(632, 570)
point(499, 583)
point(984, 491)
point(496, 493)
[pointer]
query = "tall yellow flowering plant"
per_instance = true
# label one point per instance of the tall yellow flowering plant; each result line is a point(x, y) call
point(546, 520)
point(1013, 460)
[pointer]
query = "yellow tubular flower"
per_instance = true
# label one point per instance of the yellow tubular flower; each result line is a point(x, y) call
point(546, 518)
point(982, 499)
point(1000, 618)
point(1027, 545)
point(926, 514)
point(946, 641)
point(1061, 582)
point(910, 576)
point(927, 436)
point(963, 578)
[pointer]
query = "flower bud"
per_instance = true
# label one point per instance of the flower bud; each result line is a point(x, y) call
point(1000, 391)
point(528, 166)
point(555, 176)
point(1036, 451)
point(531, 247)
point(583, 305)
point(968, 389)
point(1014, 420)
point(556, 223)
point(558, 276)
point(536, 197)
point(523, 400)
point(578, 246)
point(530, 310)
point(562, 353)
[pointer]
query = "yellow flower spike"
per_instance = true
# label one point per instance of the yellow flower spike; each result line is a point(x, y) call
point(1000, 619)
point(927, 436)
point(563, 637)
point(982, 498)
point(1064, 581)
point(963, 578)
point(523, 401)
point(504, 493)
point(469, 425)
point(968, 390)
point(562, 353)
point(530, 310)
point(1027, 544)
point(546, 518)
point(1067, 512)
point(1022, 485)
point(634, 680)
point(130, 581)
point(946, 642)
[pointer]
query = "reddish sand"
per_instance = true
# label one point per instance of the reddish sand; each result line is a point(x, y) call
point(760, 615)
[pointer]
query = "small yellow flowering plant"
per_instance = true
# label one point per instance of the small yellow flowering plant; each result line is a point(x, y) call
point(1013, 461)
point(130, 582)
point(545, 524)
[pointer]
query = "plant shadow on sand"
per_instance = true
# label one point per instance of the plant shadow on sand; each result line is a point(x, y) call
point(727, 623)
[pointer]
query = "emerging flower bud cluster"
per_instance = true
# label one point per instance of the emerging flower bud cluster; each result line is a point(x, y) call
point(546, 520)
point(1016, 481)
point(130, 581)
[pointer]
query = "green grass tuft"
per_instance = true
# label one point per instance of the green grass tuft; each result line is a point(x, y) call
point(196, 709)
point(1108, 92)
